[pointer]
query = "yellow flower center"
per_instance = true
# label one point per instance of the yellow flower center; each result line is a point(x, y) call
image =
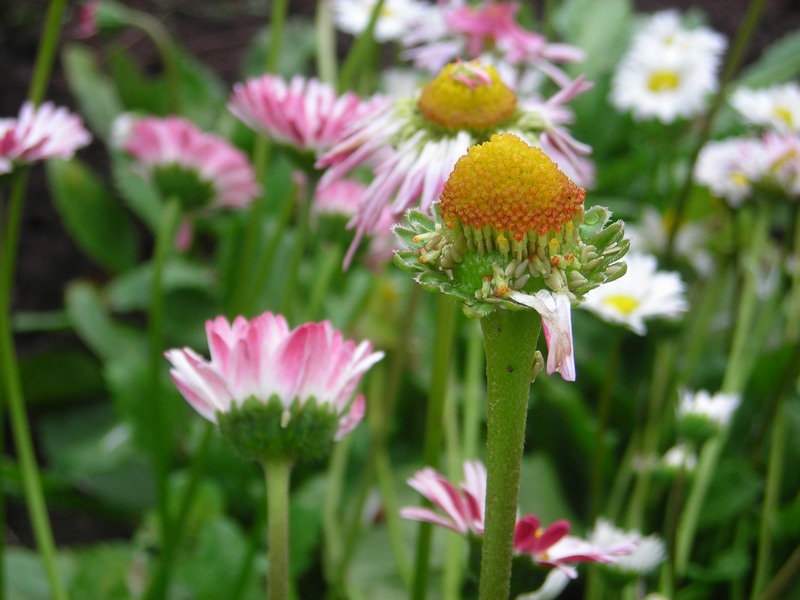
point(467, 96)
point(508, 185)
point(663, 81)
point(624, 304)
point(784, 114)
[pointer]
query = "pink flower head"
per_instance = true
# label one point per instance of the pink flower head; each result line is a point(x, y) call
point(553, 547)
point(305, 113)
point(464, 508)
point(40, 133)
point(490, 28)
point(158, 143)
point(87, 19)
point(263, 358)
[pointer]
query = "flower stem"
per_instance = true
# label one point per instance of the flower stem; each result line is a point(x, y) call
point(442, 349)
point(782, 578)
point(276, 23)
point(603, 410)
point(156, 31)
point(737, 372)
point(743, 35)
point(510, 341)
point(277, 473)
point(326, 42)
point(9, 366)
point(361, 51)
point(769, 511)
point(155, 324)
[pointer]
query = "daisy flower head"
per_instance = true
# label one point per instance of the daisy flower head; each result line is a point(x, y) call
point(305, 114)
point(488, 30)
point(701, 414)
point(668, 71)
point(642, 293)
point(395, 19)
point(416, 142)
point(40, 133)
point(725, 167)
point(776, 107)
point(646, 554)
point(272, 389)
point(510, 232)
point(200, 169)
point(776, 167)
point(463, 506)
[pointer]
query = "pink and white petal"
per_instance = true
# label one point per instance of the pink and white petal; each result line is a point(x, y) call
point(556, 312)
point(352, 417)
point(427, 515)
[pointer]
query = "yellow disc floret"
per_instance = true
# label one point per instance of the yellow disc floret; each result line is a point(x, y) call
point(511, 187)
point(466, 95)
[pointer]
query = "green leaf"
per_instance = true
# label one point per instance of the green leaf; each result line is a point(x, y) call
point(202, 94)
point(298, 44)
point(107, 338)
point(94, 219)
point(305, 524)
point(779, 63)
point(733, 491)
point(140, 195)
point(97, 98)
point(728, 565)
point(25, 576)
point(131, 290)
point(102, 572)
point(136, 91)
point(70, 375)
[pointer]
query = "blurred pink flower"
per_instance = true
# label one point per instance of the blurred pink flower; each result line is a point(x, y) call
point(464, 509)
point(466, 31)
point(40, 133)
point(464, 513)
point(304, 113)
point(157, 143)
point(87, 19)
point(262, 358)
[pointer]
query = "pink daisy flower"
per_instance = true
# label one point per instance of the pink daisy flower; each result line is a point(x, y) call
point(304, 113)
point(467, 31)
point(200, 168)
point(414, 150)
point(40, 133)
point(464, 508)
point(263, 359)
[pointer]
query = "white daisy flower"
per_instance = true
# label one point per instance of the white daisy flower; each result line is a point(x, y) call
point(717, 409)
point(776, 107)
point(679, 457)
point(668, 71)
point(642, 293)
point(726, 168)
point(647, 554)
point(395, 20)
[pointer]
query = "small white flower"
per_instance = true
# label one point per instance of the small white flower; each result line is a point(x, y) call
point(642, 293)
point(648, 552)
point(679, 457)
point(668, 70)
point(776, 107)
point(726, 168)
point(395, 19)
point(718, 408)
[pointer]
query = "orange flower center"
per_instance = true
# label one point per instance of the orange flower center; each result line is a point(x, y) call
point(467, 96)
point(511, 186)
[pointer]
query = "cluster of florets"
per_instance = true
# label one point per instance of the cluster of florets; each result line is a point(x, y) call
point(509, 221)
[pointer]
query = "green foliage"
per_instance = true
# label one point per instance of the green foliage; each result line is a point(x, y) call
point(92, 215)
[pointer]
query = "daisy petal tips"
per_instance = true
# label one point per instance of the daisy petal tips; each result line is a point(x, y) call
point(275, 390)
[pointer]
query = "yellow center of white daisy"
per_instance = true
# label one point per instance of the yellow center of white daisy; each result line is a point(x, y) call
point(622, 304)
point(783, 114)
point(467, 95)
point(663, 81)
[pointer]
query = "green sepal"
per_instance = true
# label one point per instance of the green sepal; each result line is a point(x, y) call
point(593, 222)
point(607, 236)
point(256, 429)
point(406, 236)
point(420, 221)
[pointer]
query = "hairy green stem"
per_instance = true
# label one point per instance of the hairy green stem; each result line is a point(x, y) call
point(442, 349)
point(277, 473)
point(510, 341)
